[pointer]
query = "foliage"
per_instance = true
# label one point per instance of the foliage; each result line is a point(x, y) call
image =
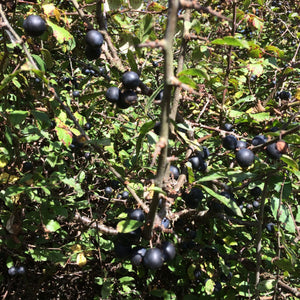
point(233, 72)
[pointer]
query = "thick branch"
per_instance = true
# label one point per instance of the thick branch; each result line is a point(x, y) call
point(164, 133)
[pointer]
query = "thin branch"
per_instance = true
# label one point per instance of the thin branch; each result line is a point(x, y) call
point(206, 9)
point(228, 68)
point(95, 224)
point(82, 14)
point(153, 44)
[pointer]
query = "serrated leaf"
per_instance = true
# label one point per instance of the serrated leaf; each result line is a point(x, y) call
point(65, 136)
point(52, 225)
point(62, 35)
point(255, 69)
point(228, 202)
point(260, 117)
point(126, 226)
point(155, 6)
point(231, 41)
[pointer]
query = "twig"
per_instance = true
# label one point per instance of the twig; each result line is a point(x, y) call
point(82, 14)
point(207, 9)
point(292, 290)
point(275, 139)
point(94, 224)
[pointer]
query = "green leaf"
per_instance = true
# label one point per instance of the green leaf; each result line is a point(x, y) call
point(149, 101)
point(235, 113)
point(107, 289)
point(7, 79)
point(136, 4)
point(143, 131)
point(126, 279)
point(209, 286)
point(289, 161)
point(126, 226)
point(211, 177)
point(187, 80)
point(191, 176)
point(42, 118)
point(229, 203)
point(64, 135)
point(114, 4)
point(62, 35)
point(231, 41)
point(132, 60)
point(49, 62)
point(266, 285)
point(72, 183)
point(101, 142)
point(52, 226)
point(201, 73)
point(17, 116)
point(41, 64)
point(284, 264)
point(99, 280)
point(292, 139)
point(260, 117)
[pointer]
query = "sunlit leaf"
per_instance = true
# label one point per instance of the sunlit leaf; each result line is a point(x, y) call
point(126, 226)
point(81, 259)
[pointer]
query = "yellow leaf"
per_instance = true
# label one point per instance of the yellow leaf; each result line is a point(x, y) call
point(3, 162)
point(16, 198)
point(81, 260)
point(6, 178)
point(76, 248)
point(298, 94)
point(51, 10)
